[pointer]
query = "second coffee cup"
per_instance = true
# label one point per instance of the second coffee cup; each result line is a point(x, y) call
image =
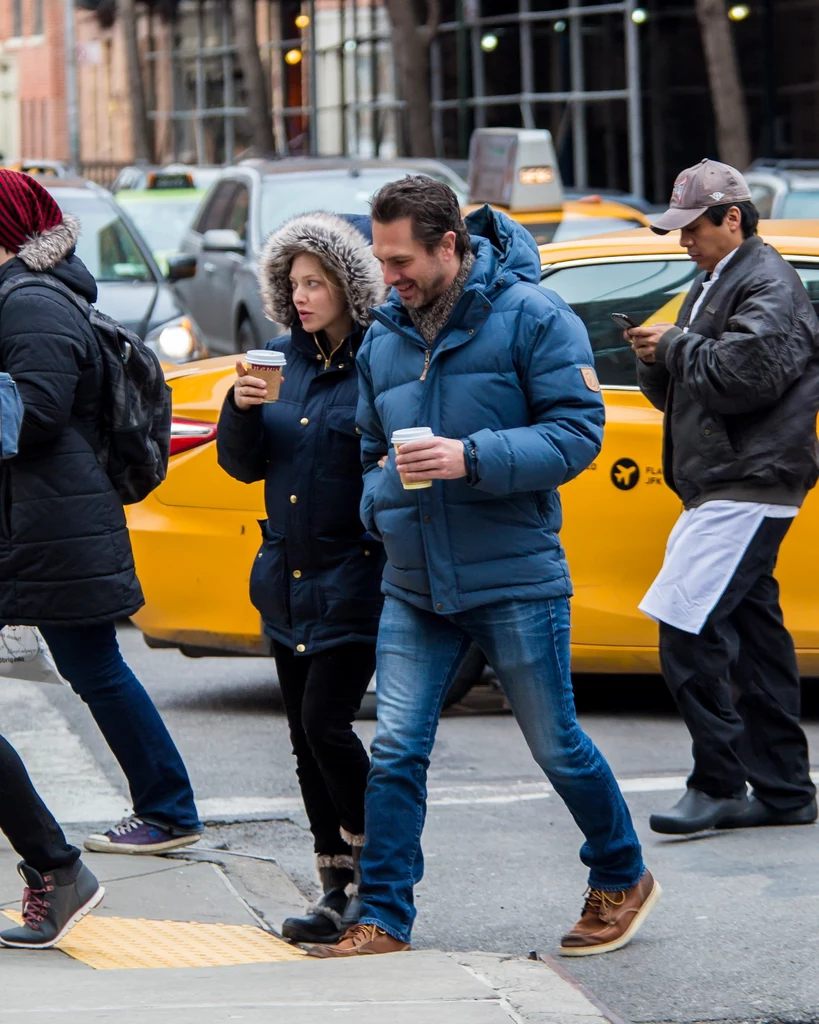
point(267, 365)
point(404, 436)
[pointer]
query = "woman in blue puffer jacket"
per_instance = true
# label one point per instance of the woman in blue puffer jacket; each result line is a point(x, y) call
point(316, 579)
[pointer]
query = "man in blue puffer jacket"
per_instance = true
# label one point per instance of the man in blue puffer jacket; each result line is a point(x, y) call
point(502, 372)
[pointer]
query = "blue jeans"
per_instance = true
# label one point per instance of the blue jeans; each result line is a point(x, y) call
point(89, 658)
point(527, 644)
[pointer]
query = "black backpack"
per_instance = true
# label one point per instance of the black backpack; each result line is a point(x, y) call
point(136, 401)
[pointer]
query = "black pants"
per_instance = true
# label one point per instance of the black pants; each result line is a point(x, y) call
point(738, 689)
point(27, 822)
point(322, 694)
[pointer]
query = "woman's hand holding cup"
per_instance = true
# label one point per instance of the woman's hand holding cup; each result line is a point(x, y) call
point(248, 391)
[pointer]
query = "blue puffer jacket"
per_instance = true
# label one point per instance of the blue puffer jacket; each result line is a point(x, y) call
point(506, 376)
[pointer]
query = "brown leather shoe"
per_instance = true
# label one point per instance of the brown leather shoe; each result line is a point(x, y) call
point(360, 940)
point(611, 919)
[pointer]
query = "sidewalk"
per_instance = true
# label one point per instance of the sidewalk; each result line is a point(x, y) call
point(180, 941)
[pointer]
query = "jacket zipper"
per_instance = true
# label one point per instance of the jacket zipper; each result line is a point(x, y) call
point(427, 355)
point(327, 359)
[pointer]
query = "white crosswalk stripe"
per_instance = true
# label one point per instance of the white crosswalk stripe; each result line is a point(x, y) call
point(75, 788)
point(66, 774)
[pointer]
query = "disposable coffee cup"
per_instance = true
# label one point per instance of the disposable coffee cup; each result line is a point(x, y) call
point(400, 437)
point(267, 366)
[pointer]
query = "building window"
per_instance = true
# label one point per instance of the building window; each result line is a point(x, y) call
point(17, 18)
point(37, 20)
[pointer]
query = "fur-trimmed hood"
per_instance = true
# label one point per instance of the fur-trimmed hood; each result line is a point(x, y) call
point(341, 248)
point(45, 250)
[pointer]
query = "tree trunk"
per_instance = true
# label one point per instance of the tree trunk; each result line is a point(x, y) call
point(412, 65)
point(141, 134)
point(256, 86)
point(733, 140)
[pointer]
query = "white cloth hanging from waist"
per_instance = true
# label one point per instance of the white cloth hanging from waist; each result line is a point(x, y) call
point(703, 553)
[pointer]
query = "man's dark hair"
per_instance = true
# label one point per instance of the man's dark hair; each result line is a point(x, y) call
point(748, 212)
point(431, 205)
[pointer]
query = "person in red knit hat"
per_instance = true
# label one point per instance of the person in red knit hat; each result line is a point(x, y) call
point(32, 225)
point(66, 564)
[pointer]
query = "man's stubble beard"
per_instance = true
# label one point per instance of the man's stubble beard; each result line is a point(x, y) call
point(430, 291)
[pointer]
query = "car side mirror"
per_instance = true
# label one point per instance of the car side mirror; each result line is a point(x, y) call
point(222, 240)
point(181, 267)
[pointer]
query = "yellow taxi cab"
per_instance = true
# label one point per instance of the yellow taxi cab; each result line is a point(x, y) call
point(196, 536)
point(516, 170)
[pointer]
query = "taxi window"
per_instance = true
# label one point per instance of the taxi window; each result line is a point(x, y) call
point(569, 228)
point(809, 272)
point(639, 288)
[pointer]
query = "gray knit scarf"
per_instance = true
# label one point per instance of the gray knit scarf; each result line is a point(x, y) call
point(429, 320)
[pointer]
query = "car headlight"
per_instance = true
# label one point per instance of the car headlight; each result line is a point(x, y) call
point(177, 340)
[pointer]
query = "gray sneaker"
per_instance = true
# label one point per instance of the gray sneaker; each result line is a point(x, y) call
point(51, 908)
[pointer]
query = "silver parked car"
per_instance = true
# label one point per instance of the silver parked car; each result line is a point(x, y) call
point(245, 205)
point(130, 286)
point(785, 189)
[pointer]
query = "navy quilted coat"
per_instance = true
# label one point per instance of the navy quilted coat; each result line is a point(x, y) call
point(316, 578)
point(505, 376)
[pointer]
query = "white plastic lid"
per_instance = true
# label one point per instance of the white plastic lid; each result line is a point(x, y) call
point(265, 357)
point(411, 434)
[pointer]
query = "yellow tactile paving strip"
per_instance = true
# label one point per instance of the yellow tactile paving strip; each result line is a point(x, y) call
point(124, 943)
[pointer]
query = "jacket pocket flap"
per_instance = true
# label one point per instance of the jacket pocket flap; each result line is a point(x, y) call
point(342, 418)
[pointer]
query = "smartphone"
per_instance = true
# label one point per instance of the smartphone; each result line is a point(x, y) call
point(623, 321)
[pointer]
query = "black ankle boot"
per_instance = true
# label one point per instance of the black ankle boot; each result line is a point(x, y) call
point(53, 902)
point(352, 911)
point(323, 920)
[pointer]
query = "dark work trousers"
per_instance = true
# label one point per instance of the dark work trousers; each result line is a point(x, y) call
point(737, 686)
point(322, 694)
point(27, 822)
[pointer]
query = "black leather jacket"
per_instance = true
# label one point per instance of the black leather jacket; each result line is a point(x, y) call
point(740, 388)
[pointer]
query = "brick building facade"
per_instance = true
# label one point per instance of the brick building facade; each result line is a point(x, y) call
point(32, 80)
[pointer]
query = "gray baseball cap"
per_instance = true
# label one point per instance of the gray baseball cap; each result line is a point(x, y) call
point(709, 183)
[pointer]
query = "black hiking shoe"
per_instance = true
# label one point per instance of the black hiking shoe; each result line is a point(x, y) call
point(52, 905)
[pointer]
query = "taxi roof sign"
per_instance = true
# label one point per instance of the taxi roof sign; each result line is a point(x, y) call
point(515, 168)
point(168, 180)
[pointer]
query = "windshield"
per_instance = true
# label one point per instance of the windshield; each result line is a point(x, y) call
point(162, 223)
point(106, 246)
point(799, 205)
point(285, 198)
point(572, 226)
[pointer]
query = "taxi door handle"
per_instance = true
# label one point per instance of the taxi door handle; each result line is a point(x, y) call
point(209, 268)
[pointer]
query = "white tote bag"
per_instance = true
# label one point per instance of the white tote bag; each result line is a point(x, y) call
point(24, 655)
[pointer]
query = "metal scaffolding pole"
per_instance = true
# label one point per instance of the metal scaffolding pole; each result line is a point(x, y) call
point(472, 10)
point(527, 69)
point(635, 103)
point(579, 143)
point(72, 107)
point(227, 84)
point(313, 123)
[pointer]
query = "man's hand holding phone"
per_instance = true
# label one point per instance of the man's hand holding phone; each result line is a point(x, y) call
point(643, 339)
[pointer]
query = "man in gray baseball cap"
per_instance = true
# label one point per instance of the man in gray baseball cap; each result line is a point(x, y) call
point(699, 188)
point(737, 377)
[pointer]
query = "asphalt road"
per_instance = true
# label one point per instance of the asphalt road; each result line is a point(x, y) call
point(736, 935)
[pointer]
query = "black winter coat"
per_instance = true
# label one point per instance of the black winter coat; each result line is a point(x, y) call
point(316, 579)
point(65, 553)
point(740, 388)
